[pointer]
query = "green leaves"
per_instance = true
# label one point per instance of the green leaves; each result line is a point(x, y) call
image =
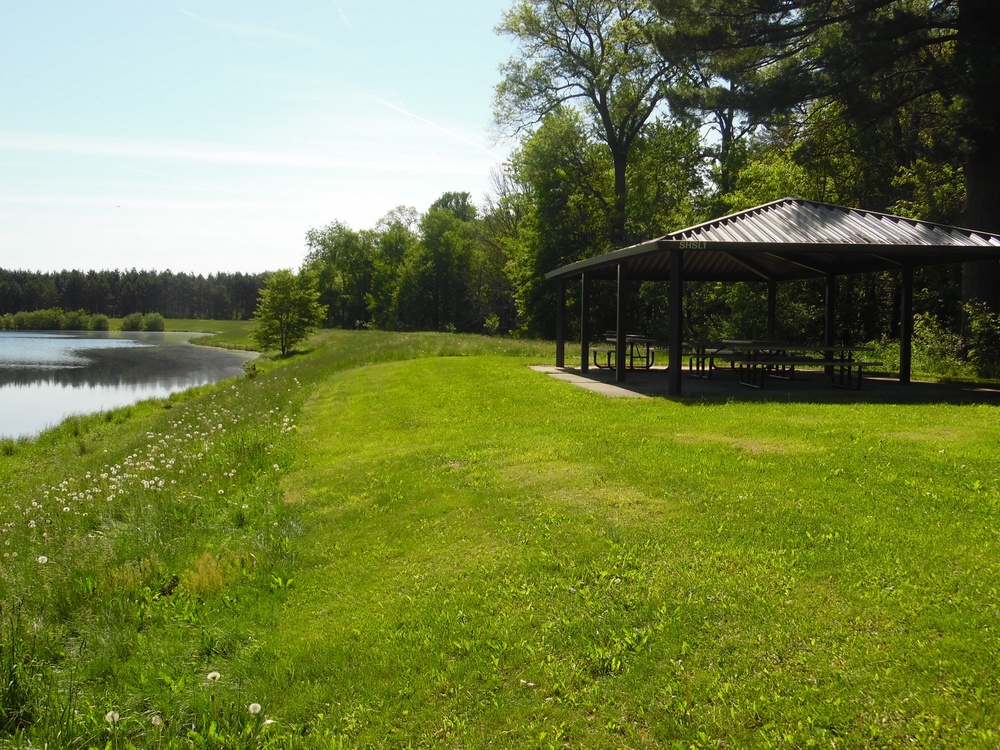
point(288, 311)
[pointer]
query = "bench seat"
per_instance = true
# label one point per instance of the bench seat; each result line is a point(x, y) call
point(844, 373)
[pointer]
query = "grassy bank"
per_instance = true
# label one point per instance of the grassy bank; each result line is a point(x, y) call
point(398, 541)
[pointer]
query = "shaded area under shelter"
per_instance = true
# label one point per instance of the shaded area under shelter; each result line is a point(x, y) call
point(786, 240)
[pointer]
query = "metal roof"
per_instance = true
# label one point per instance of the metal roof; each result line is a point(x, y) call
point(792, 239)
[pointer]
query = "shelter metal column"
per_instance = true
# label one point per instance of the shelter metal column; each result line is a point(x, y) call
point(584, 323)
point(906, 325)
point(830, 315)
point(560, 324)
point(675, 323)
point(772, 310)
point(621, 342)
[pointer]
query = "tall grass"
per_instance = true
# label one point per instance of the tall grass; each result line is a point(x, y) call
point(415, 541)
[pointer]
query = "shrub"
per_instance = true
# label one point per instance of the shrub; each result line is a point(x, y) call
point(45, 320)
point(153, 322)
point(936, 349)
point(983, 340)
point(100, 322)
point(76, 321)
point(132, 322)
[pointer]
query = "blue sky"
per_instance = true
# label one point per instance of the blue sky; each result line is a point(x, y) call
point(204, 136)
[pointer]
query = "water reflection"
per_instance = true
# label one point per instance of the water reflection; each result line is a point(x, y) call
point(45, 377)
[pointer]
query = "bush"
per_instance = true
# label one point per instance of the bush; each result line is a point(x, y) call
point(983, 340)
point(153, 322)
point(76, 321)
point(132, 322)
point(936, 349)
point(44, 320)
point(100, 322)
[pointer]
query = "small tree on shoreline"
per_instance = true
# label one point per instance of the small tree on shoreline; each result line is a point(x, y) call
point(288, 311)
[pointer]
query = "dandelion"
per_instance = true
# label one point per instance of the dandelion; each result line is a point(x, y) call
point(111, 717)
point(213, 676)
point(254, 708)
point(42, 559)
point(157, 720)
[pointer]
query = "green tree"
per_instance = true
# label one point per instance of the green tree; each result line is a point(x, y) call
point(564, 177)
point(288, 311)
point(935, 62)
point(343, 261)
point(434, 289)
point(594, 54)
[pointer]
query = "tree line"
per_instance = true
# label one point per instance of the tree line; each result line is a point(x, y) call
point(222, 296)
point(634, 118)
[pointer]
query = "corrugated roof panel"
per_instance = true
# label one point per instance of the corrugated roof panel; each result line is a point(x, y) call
point(795, 239)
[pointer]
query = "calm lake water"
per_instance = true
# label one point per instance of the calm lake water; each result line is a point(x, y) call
point(46, 377)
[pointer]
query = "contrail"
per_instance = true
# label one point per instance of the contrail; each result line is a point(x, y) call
point(343, 16)
point(456, 136)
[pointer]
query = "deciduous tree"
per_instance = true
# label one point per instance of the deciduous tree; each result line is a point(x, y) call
point(288, 312)
point(594, 54)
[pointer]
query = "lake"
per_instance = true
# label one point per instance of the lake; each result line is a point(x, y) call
point(48, 376)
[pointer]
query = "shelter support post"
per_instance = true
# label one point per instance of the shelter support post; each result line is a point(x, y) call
point(584, 323)
point(906, 325)
point(621, 319)
point(830, 315)
point(560, 324)
point(772, 310)
point(675, 323)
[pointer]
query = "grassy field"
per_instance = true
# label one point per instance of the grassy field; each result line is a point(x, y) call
point(416, 541)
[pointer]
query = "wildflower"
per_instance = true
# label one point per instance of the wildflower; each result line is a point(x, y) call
point(111, 717)
point(157, 720)
point(42, 559)
point(213, 676)
point(254, 708)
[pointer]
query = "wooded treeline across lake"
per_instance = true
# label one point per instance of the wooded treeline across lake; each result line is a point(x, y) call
point(221, 296)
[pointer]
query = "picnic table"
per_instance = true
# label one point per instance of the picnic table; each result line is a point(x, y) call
point(639, 350)
point(757, 361)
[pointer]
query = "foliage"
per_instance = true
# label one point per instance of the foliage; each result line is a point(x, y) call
point(288, 312)
point(153, 322)
point(982, 337)
point(53, 319)
point(344, 264)
point(222, 296)
point(99, 322)
point(132, 322)
point(846, 82)
point(592, 52)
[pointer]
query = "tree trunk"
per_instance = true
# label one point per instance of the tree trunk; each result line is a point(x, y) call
point(619, 216)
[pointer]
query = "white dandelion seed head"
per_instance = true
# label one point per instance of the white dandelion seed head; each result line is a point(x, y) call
point(157, 720)
point(254, 708)
point(42, 559)
point(213, 676)
point(111, 717)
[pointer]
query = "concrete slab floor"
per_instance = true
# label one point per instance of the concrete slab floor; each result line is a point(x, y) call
point(806, 386)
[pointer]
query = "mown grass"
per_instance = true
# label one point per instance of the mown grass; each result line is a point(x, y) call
point(420, 542)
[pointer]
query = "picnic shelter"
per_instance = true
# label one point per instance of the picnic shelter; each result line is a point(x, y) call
point(786, 240)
